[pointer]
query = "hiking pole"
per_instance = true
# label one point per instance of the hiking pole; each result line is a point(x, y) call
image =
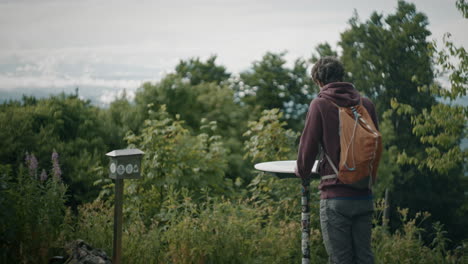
point(284, 170)
point(305, 221)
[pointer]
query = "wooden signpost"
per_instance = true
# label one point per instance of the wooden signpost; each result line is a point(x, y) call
point(124, 164)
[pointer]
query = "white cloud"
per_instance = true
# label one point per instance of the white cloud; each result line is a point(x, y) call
point(40, 82)
point(77, 67)
point(108, 96)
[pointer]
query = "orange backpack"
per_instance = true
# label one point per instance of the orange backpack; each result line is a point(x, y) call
point(361, 147)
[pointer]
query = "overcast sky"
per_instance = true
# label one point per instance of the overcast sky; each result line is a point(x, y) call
point(104, 46)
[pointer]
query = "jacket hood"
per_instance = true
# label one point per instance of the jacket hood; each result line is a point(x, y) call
point(341, 93)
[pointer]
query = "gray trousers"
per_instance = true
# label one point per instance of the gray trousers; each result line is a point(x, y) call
point(346, 229)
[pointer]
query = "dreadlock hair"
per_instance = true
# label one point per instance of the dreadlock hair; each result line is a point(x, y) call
point(327, 70)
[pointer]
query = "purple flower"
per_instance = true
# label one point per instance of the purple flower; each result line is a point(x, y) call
point(56, 171)
point(43, 176)
point(32, 164)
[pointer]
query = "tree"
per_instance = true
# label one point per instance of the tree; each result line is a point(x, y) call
point(67, 124)
point(462, 5)
point(440, 129)
point(198, 71)
point(196, 90)
point(206, 98)
point(174, 159)
point(268, 139)
point(322, 50)
point(389, 57)
point(390, 60)
point(120, 118)
point(271, 84)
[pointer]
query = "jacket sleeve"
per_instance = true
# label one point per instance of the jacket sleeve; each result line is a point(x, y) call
point(310, 139)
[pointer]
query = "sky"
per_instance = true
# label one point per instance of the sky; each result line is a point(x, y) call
point(106, 46)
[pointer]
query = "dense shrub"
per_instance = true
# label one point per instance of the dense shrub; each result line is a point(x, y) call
point(226, 231)
point(210, 220)
point(32, 210)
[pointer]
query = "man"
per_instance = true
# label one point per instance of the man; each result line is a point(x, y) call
point(345, 211)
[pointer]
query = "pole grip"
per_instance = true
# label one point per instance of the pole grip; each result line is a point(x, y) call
point(305, 221)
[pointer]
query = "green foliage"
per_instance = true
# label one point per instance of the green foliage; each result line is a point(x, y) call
point(174, 158)
point(215, 231)
point(65, 123)
point(192, 101)
point(268, 139)
point(32, 210)
point(391, 61)
point(440, 129)
point(18, 133)
point(198, 71)
point(389, 170)
point(323, 50)
point(389, 57)
point(172, 218)
point(199, 200)
point(121, 117)
point(94, 224)
point(457, 74)
point(406, 245)
point(270, 84)
point(222, 233)
point(206, 101)
point(225, 231)
point(462, 5)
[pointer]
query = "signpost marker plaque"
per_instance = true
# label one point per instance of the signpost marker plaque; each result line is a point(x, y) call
point(124, 164)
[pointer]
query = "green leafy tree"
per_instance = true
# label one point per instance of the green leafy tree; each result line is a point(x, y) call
point(71, 126)
point(174, 159)
point(193, 100)
point(121, 117)
point(390, 60)
point(269, 140)
point(440, 129)
point(462, 5)
point(389, 57)
point(271, 84)
point(204, 100)
point(323, 50)
point(198, 71)
point(65, 123)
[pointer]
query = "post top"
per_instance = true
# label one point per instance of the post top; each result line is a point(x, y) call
point(124, 152)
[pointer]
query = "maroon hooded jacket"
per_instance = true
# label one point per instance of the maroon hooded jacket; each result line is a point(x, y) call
point(321, 129)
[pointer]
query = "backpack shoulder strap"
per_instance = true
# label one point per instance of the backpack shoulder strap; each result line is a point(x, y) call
point(331, 163)
point(331, 176)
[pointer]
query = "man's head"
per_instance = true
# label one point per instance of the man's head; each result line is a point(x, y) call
point(327, 70)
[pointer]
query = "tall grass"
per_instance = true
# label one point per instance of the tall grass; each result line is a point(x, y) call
point(239, 231)
point(32, 209)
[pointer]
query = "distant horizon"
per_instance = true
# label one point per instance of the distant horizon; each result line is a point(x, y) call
point(53, 46)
